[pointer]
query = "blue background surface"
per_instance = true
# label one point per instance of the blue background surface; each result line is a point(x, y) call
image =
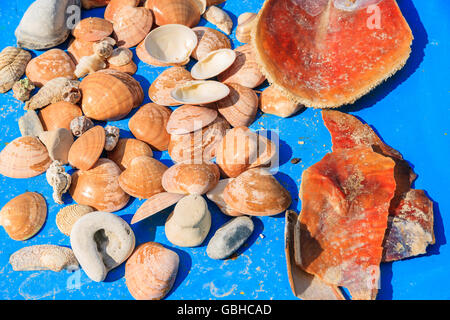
point(410, 111)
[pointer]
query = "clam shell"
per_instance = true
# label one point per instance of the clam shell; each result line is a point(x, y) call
point(145, 57)
point(92, 29)
point(59, 115)
point(131, 25)
point(24, 157)
point(120, 57)
point(209, 40)
point(185, 12)
point(216, 196)
point(23, 216)
point(149, 125)
point(67, 216)
point(13, 62)
point(133, 85)
point(150, 272)
point(163, 85)
point(89, 4)
point(87, 149)
point(78, 49)
point(273, 101)
point(115, 5)
point(187, 178)
point(129, 68)
point(213, 64)
point(155, 204)
point(240, 107)
point(128, 149)
point(257, 193)
point(99, 187)
point(142, 178)
point(187, 118)
point(245, 70)
point(199, 92)
point(51, 64)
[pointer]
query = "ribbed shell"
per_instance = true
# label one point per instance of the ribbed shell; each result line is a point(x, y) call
point(13, 62)
point(184, 12)
point(131, 25)
point(59, 115)
point(92, 29)
point(67, 216)
point(51, 64)
point(163, 85)
point(128, 149)
point(87, 149)
point(133, 85)
point(216, 196)
point(115, 5)
point(209, 40)
point(155, 204)
point(187, 118)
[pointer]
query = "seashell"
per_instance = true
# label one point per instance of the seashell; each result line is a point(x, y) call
point(246, 21)
point(133, 85)
point(219, 18)
point(184, 12)
point(67, 216)
point(55, 90)
point(24, 157)
point(216, 196)
point(273, 101)
point(128, 149)
point(187, 118)
point(120, 57)
point(89, 64)
point(240, 107)
point(200, 145)
point(245, 70)
point(129, 68)
point(59, 115)
point(191, 178)
point(101, 241)
point(13, 62)
point(30, 125)
point(58, 143)
point(99, 187)
point(51, 64)
point(163, 85)
point(46, 23)
point(89, 4)
point(145, 57)
point(142, 178)
point(257, 193)
point(150, 272)
point(80, 125)
point(199, 92)
point(149, 124)
point(92, 29)
point(86, 150)
point(209, 40)
point(189, 223)
point(115, 5)
point(59, 180)
point(43, 257)
point(214, 2)
point(104, 48)
point(131, 25)
point(267, 152)
point(78, 49)
point(213, 64)
point(22, 89)
point(171, 43)
point(112, 137)
point(155, 204)
point(23, 216)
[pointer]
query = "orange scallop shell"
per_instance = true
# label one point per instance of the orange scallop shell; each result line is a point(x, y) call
point(78, 49)
point(133, 85)
point(99, 187)
point(115, 5)
point(128, 149)
point(87, 149)
point(131, 25)
point(163, 85)
point(59, 115)
point(92, 29)
point(155, 204)
point(24, 157)
point(184, 12)
point(187, 118)
point(209, 40)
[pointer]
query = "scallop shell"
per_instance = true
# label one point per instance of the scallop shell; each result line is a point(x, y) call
point(155, 204)
point(199, 92)
point(92, 29)
point(13, 62)
point(163, 85)
point(59, 115)
point(89, 4)
point(257, 193)
point(219, 18)
point(149, 125)
point(51, 64)
point(245, 70)
point(142, 178)
point(187, 118)
point(213, 63)
point(216, 196)
point(129, 68)
point(150, 272)
point(187, 178)
point(78, 49)
point(87, 149)
point(131, 25)
point(246, 21)
point(133, 85)
point(115, 5)
point(185, 12)
point(99, 187)
point(23, 216)
point(24, 157)
point(273, 101)
point(67, 216)
point(209, 40)
point(128, 149)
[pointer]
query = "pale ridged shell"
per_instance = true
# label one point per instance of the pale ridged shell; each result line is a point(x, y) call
point(115, 5)
point(67, 216)
point(150, 272)
point(216, 196)
point(131, 25)
point(89, 4)
point(209, 40)
point(200, 92)
point(155, 204)
point(92, 29)
point(149, 125)
point(59, 115)
point(51, 64)
point(142, 178)
point(128, 149)
point(13, 62)
point(185, 12)
point(163, 85)
point(187, 118)
point(23, 216)
point(78, 49)
point(273, 101)
point(24, 157)
point(87, 149)
point(99, 187)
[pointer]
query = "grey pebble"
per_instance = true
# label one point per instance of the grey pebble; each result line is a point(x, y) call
point(30, 125)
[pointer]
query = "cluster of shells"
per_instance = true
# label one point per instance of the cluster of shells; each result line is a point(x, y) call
point(200, 116)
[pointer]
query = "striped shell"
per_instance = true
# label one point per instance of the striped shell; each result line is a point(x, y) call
point(87, 149)
point(216, 196)
point(128, 149)
point(92, 29)
point(131, 25)
point(51, 64)
point(13, 62)
point(187, 118)
point(115, 5)
point(59, 115)
point(67, 216)
point(209, 40)
point(185, 12)
point(155, 204)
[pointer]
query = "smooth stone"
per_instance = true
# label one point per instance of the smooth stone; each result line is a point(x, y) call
point(58, 143)
point(30, 124)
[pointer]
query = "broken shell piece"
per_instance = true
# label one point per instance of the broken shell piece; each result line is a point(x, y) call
point(187, 118)
point(155, 204)
point(163, 85)
point(67, 216)
point(59, 115)
point(171, 43)
point(216, 196)
point(23, 216)
point(86, 150)
point(213, 64)
point(120, 57)
point(13, 62)
point(43, 257)
point(58, 143)
point(101, 241)
point(128, 149)
point(131, 25)
point(30, 125)
point(59, 180)
point(273, 101)
point(200, 92)
point(189, 223)
point(80, 125)
point(219, 18)
point(92, 29)
point(209, 40)
point(246, 21)
point(183, 12)
point(22, 89)
point(112, 137)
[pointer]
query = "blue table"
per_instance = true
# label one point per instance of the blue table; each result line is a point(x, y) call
point(410, 111)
